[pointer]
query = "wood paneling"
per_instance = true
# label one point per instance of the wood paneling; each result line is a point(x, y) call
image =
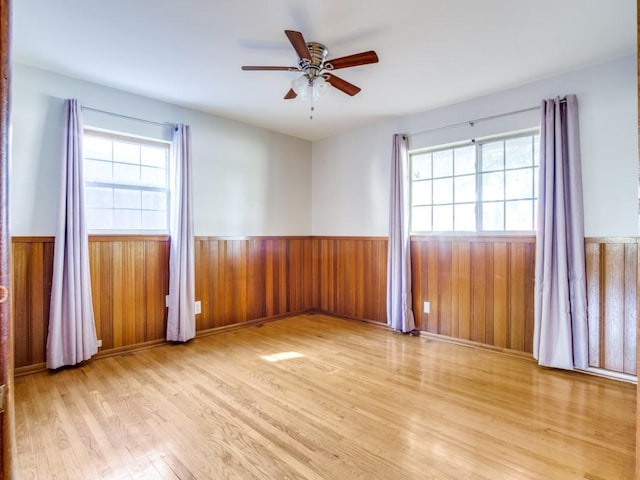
point(612, 275)
point(129, 279)
point(352, 279)
point(240, 280)
point(479, 288)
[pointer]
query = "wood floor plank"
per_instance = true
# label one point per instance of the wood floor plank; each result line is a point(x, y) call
point(317, 397)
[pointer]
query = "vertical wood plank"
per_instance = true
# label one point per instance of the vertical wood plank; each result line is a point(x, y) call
point(445, 293)
point(517, 287)
point(463, 290)
point(500, 294)
point(594, 299)
point(479, 291)
point(433, 286)
point(630, 307)
point(614, 307)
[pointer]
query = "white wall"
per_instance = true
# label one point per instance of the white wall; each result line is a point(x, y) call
point(250, 181)
point(351, 171)
point(247, 180)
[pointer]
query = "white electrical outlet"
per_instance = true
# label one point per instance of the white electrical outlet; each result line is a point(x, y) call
point(166, 300)
point(198, 307)
point(99, 343)
point(427, 307)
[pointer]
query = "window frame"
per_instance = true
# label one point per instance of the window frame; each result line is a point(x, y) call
point(477, 143)
point(124, 137)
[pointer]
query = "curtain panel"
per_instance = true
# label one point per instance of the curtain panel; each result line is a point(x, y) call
point(71, 336)
point(399, 312)
point(560, 306)
point(181, 323)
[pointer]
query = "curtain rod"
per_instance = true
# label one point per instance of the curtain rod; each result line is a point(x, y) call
point(162, 124)
point(472, 122)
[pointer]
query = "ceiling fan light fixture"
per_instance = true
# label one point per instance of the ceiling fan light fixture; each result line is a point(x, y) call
point(320, 87)
point(301, 86)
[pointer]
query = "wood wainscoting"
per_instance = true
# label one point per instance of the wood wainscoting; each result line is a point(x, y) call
point(244, 279)
point(352, 277)
point(480, 289)
point(612, 296)
point(237, 281)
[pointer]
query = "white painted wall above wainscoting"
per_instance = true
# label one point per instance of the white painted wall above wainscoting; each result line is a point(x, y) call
point(247, 180)
point(351, 171)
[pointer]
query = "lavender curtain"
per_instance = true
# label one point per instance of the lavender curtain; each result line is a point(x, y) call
point(399, 313)
point(181, 322)
point(72, 333)
point(560, 319)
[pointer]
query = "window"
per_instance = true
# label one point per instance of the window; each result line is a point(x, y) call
point(490, 185)
point(126, 183)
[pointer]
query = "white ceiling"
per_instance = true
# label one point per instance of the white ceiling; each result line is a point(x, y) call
point(432, 52)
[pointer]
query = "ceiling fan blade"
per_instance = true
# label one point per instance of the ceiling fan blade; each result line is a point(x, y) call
point(354, 60)
point(260, 67)
point(300, 46)
point(290, 94)
point(343, 85)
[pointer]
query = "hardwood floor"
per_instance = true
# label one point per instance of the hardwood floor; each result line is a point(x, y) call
point(345, 401)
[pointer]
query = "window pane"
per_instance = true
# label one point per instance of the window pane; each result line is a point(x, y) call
point(124, 219)
point(465, 217)
point(118, 190)
point(443, 163)
point(421, 192)
point(519, 152)
point(421, 166)
point(519, 215)
point(99, 218)
point(492, 216)
point(443, 190)
point(96, 148)
point(153, 156)
point(97, 171)
point(465, 160)
point(493, 156)
point(126, 198)
point(126, 153)
point(154, 201)
point(123, 173)
point(493, 186)
point(489, 186)
point(465, 188)
point(421, 219)
point(154, 177)
point(98, 197)
point(443, 218)
point(519, 184)
point(154, 220)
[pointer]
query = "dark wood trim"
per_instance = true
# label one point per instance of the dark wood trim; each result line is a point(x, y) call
point(476, 238)
point(6, 323)
point(30, 239)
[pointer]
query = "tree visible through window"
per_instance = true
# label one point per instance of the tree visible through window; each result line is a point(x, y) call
point(486, 186)
point(126, 183)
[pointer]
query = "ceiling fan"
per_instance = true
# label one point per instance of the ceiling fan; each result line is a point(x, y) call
point(315, 68)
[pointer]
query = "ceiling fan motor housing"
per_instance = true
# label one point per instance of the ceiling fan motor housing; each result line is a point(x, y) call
point(313, 66)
